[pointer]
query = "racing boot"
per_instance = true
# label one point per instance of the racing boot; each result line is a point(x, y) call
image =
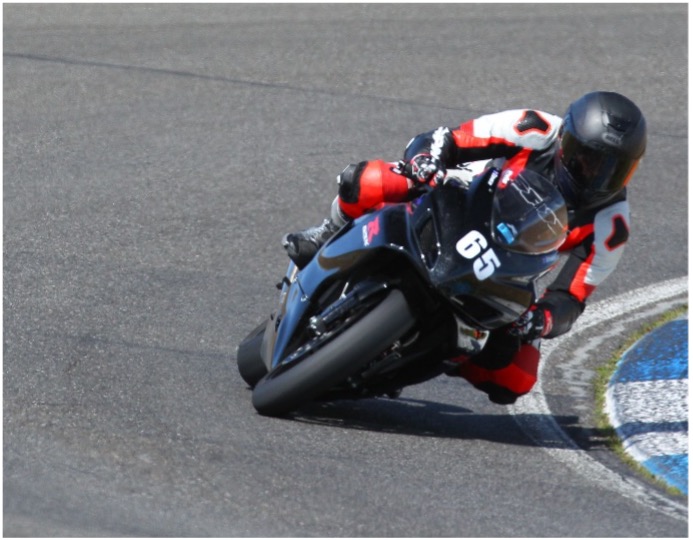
point(303, 245)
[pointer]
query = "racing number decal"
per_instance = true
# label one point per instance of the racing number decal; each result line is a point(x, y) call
point(473, 245)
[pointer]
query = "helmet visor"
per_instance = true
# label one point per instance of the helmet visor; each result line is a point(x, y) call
point(594, 171)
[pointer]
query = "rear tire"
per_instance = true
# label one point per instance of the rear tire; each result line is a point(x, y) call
point(248, 358)
point(280, 393)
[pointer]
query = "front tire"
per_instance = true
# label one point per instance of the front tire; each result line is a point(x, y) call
point(280, 393)
point(248, 357)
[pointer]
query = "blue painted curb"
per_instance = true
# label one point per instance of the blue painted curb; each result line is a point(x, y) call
point(647, 402)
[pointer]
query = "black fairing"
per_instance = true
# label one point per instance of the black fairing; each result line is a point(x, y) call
point(464, 259)
point(485, 303)
point(414, 247)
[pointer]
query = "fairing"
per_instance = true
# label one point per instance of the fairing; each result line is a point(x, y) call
point(442, 242)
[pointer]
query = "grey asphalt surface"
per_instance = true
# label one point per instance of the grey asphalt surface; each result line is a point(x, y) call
point(153, 157)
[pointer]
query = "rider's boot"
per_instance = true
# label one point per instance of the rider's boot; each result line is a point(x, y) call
point(303, 245)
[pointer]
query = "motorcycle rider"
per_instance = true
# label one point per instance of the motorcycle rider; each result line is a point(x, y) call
point(590, 154)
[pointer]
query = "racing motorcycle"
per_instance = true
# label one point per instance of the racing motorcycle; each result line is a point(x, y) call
point(397, 292)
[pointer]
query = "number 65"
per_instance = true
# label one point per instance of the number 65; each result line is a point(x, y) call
point(473, 245)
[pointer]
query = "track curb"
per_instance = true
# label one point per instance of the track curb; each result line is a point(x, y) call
point(646, 402)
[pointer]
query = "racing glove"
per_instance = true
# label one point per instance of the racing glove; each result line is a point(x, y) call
point(424, 168)
point(534, 323)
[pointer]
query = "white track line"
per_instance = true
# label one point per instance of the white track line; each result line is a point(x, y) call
point(533, 415)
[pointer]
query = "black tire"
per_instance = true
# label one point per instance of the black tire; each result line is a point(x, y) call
point(278, 394)
point(250, 364)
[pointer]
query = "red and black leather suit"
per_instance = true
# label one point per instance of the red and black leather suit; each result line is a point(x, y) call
point(507, 368)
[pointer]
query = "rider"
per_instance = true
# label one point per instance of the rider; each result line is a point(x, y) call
point(590, 154)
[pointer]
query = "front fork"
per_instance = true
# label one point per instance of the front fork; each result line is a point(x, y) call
point(362, 292)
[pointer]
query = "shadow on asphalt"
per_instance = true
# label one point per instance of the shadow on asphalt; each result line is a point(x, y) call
point(431, 419)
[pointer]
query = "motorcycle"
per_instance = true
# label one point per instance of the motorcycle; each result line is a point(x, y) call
point(399, 291)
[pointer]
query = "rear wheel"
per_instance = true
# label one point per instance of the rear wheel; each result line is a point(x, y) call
point(351, 348)
point(248, 358)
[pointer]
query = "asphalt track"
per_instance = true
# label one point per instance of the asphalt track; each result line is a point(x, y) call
point(153, 157)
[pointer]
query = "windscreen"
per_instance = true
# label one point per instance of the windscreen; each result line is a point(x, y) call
point(529, 215)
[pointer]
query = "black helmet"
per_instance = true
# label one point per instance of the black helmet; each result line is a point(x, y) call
point(602, 140)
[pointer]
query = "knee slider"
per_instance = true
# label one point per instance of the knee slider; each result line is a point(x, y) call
point(349, 181)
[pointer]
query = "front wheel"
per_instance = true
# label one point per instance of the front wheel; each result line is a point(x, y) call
point(248, 357)
point(281, 392)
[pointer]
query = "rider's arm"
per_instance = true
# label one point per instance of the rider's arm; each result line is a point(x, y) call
point(502, 134)
point(595, 249)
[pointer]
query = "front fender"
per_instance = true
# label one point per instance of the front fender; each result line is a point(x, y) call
point(283, 325)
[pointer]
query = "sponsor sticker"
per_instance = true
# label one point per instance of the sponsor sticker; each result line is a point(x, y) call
point(370, 230)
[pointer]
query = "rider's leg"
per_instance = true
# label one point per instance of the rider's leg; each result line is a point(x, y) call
point(504, 370)
point(362, 186)
point(365, 185)
point(303, 245)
